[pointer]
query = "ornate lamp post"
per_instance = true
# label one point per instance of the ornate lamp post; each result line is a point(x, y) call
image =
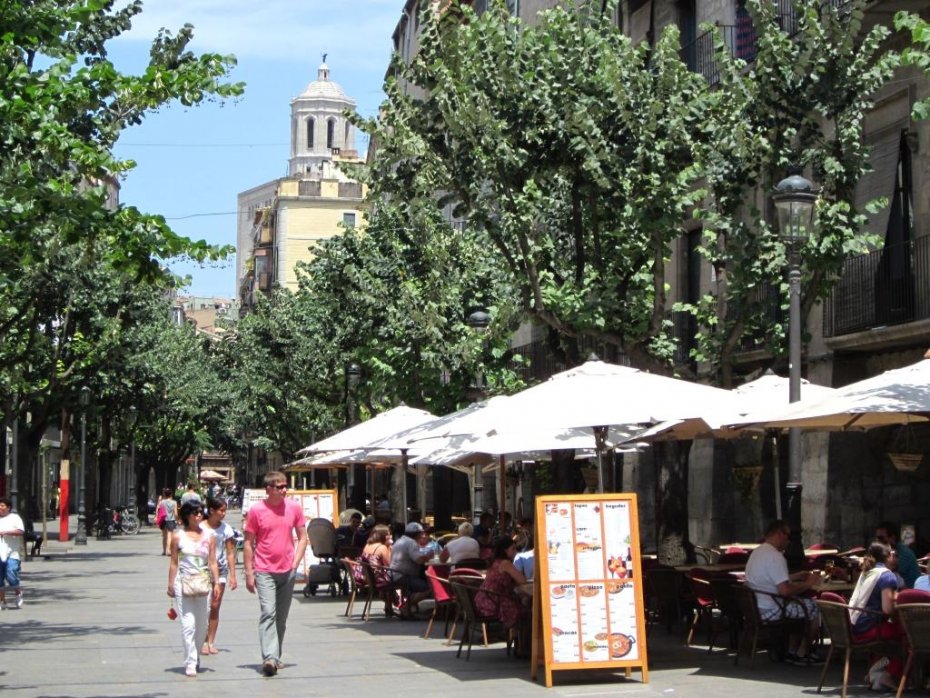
point(478, 320)
point(353, 374)
point(80, 537)
point(795, 200)
point(131, 423)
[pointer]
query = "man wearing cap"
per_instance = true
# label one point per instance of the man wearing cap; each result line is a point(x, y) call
point(407, 562)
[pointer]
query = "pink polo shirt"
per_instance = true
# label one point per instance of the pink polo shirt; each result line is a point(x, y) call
point(274, 528)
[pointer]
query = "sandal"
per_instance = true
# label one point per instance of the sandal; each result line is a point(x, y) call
point(207, 649)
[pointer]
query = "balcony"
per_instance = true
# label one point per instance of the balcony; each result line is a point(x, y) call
point(886, 287)
point(740, 40)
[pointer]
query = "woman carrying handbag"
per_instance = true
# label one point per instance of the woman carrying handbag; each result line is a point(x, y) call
point(192, 576)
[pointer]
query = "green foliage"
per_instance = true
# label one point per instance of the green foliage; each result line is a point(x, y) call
point(570, 148)
point(78, 273)
point(803, 101)
point(917, 54)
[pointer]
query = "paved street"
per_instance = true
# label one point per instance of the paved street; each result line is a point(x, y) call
point(95, 624)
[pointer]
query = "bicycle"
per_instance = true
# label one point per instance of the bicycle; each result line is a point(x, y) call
point(126, 521)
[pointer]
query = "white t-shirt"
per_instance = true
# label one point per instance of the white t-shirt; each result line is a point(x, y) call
point(463, 548)
point(10, 545)
point(765, 570)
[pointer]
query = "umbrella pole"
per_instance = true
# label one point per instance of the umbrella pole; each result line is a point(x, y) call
point(776, 475)
point(600, 437)
point(502, 486)
point(476, 494)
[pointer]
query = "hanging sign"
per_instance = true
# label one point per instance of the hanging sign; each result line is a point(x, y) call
point(588, 598)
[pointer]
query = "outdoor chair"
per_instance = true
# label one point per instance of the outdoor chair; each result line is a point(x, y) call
point(665, 602)
point(387, 591)
point(471, 619)
point(444, 599)
point(754, 628)
point(358, 582)
point(728, 608)
point(704, 604)
point(472, 563)
point(835, 618)
point(915, 619)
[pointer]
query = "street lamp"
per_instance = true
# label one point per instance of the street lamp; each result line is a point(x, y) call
point(131, 423)
point(478, 320)
point(795, 200)
point(353, 374)
point(81, 537)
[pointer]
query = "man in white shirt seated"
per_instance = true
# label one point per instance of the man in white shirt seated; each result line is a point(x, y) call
point(767, 572)
point(462, 548)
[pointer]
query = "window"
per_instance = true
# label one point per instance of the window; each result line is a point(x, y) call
point(310, 124)
point(331, 133)
point(348, 220)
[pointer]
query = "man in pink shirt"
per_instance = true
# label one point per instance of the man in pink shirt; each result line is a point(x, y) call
point(271, 563)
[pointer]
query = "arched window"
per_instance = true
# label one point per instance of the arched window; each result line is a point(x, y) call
point(310, 134)
point(331, 134)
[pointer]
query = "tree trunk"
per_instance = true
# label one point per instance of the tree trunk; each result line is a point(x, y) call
point(568, 479)
point(672, 501)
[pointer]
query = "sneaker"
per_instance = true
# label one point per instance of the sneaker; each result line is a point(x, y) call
point(269, 668)
point(278, 664)
point(19, 601)
point(792, 658)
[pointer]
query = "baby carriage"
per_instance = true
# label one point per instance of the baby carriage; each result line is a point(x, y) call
point(322, 535)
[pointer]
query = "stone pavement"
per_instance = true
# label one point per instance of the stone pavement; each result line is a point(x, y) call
point(95, 624)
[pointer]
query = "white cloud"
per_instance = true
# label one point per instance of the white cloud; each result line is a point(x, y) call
point(357, 32)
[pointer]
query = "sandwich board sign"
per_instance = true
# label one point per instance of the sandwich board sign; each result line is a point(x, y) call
point(588, 610)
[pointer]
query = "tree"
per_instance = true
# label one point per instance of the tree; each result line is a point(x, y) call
point(803, 101)
point(67, 251)
point(573, 150)
point(918, 54)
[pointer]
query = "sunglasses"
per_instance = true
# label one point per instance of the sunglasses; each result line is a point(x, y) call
point(279, 487)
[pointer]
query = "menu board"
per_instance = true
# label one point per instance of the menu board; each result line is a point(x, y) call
point(590, 610)
point(316, 504)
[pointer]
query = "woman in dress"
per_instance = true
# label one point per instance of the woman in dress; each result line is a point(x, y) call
point(225, 546)
point(876, 591)
point(377, 554)
point(193, 553)
point(501, 581)
point(169, 522)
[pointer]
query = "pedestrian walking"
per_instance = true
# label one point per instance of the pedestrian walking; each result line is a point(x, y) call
point(193, 576)
point(225, 545)
point(11, 538)
point(271, 563)
point(166, 517)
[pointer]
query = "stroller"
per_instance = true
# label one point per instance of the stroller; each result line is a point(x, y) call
point(322, 535)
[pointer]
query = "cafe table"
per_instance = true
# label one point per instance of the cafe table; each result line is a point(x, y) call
point(718, 567)
point(837, 586)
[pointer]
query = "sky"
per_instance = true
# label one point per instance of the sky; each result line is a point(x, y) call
point(192, 162)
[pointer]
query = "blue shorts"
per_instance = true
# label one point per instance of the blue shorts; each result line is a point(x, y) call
point(9, 573)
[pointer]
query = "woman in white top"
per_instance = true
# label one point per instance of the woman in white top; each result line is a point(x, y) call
point(225, 545)
point(193, 553)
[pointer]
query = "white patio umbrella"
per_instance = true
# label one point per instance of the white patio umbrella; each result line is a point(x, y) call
point(363, 434)
point(597, 394)
point(767, 394)
point(898, 396)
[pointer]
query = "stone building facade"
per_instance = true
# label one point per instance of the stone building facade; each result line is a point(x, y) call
point(280, 221)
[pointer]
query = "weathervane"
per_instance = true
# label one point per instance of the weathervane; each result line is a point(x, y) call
point(324, 57)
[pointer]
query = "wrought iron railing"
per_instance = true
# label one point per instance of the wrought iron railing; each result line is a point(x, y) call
point(890, 286)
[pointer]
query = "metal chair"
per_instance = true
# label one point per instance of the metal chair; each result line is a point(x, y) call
point(471, 618)
point(665, 585)
point(358, 582)
point(835, 617)
point(385, 588)
point(704, 604)
point(915, 619)
point(755, 628)
point(728, 608)
point(444, 599)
